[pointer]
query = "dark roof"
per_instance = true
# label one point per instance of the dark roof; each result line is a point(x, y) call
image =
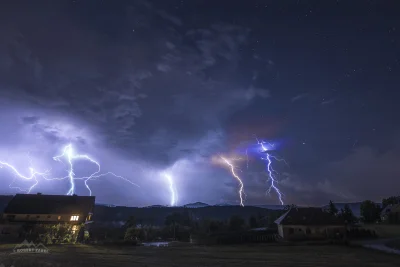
point(308, 216)
point(4, 200)
point(49, 204)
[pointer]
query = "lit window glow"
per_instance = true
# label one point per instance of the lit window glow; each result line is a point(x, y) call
point(74, 218)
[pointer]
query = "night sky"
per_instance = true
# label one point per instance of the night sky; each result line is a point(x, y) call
point(153, 87)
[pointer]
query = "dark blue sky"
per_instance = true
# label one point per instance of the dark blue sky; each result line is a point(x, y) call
point(148, 87)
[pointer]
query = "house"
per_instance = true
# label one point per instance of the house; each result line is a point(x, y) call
point(35, 209)
point(4, 200)
point(49, 208)
point(391, 213)
point(309, 224)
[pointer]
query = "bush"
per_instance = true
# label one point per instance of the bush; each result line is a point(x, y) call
point(54, 234)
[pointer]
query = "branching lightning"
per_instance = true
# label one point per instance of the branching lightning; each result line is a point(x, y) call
point(69, 155)
point(33, 175)
point(241, 185)
point(172, 189)
point(271, 172)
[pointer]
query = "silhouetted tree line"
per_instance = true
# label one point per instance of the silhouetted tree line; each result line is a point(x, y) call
point(345, 213)
point(179, 226)
point(370, 211)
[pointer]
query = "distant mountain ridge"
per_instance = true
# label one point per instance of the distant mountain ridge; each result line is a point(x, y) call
point(355, 206)
point(271, 207)
point(196, 205)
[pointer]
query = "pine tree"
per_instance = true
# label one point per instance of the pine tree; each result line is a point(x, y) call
point(370, 211)
point(347, 214)
point(332, 208)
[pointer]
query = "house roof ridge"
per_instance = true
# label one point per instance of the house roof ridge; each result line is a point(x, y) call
point(49, 204)
point(307, 216)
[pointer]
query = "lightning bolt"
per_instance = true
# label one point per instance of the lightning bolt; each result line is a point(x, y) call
point(71, 157)
point(241, 185)
point(172, 189)
point(33, 176)
point(271, 172)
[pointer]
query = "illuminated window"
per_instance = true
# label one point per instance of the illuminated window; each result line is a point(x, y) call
point(74, 229)
point(74, 218)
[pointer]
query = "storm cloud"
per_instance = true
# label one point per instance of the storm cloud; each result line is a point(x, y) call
point(144, 90)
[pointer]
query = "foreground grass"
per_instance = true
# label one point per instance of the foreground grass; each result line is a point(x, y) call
point(394, 244)
point(282, 256)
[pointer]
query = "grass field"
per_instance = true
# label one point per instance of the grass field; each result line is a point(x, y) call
point(394, 244)
point(229, 256)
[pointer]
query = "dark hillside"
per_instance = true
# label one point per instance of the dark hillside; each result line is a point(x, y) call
point(156, 215)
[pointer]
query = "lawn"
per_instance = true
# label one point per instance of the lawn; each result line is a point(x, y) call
point(394, 244)
point(271, 256)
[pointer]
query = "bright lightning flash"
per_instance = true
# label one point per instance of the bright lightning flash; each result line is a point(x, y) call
point(33, 175)
point(172, 189)
point(71, 157)
point(241, 188)
point(271, 172)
